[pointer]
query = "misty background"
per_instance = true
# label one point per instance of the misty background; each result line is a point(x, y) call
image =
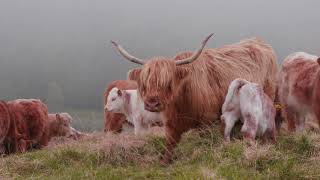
point(60, 51)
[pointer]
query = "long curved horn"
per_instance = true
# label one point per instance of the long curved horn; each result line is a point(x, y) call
point(126, 55)
point(196, 54)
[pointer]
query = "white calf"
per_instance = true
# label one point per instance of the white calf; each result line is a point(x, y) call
point(248, 102)
point(130, 104)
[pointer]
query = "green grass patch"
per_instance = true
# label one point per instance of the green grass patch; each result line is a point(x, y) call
point(200, 155)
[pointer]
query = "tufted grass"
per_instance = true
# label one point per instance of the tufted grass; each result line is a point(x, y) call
point(200, 155)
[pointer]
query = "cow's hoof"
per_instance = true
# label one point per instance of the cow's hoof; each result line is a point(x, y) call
point(226, 142)
point(165, 162)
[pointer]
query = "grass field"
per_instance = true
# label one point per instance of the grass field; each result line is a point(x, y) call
point(200, 155)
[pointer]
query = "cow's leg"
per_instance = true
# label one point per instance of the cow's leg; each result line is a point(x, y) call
point(172, 138)
point(291, 117)
point(278, 119)
point(300, 122)
point(44, 141)
point(23, 145)
point(316, 110)
point(2, 149)
point(269, 136)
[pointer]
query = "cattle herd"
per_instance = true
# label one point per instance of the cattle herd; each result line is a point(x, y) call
point(237, 82)
point(25, 124)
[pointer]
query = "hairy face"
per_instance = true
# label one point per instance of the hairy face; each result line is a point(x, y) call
point(63, 125)
point(159, 77)
point(115, 101)
point(158, 81)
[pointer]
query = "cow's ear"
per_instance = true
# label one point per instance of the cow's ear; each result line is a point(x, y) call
point(68, 120)
point(58, 117)
point(134, 74)
point(119, 92)
point(318, 60)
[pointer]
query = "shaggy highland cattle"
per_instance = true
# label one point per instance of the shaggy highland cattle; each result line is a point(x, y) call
point(129, 103)
point(28, 127)
point(247, 102)
point(4, 125)
point(60, 125)
point(299, 89)
point(114, 121)
point(190, 88)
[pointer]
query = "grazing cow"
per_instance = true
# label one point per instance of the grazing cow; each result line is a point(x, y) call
point(60, 125)
point(248, 102)
point(114, 121)
point(299, 89)
point(131, 105)
point(4, 125)
point(29, 125)
point(190, 87)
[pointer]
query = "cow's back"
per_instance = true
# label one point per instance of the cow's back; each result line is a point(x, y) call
point(114, 121)
point(250, 59)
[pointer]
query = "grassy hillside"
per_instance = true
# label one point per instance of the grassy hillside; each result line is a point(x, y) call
point(200, 155)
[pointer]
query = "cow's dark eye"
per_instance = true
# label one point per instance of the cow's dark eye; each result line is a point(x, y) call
point(169, 88)
point(113, 99)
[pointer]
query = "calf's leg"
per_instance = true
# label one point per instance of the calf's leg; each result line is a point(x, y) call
point(229, 124)
point(250, 127)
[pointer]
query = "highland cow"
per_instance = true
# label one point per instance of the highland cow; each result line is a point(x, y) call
point(129, 103)
point(247, 102)
point(114, 121)
point(190, 87)
point(299, 89)
point(60, 125)
point(4, 125)
point(29, 125)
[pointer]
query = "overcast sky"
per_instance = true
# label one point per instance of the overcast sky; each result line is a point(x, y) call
point(68, 41)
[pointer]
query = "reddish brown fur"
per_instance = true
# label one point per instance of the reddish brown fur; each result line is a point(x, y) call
point(133, 75)
point(29, 125)
point(191, 95)
point(58, 125)
point(4, 125)
point(299, 89)
point(114, 121)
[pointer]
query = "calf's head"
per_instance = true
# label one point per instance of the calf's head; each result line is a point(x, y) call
point(62, 125)
point(159, 78)
point(115, 101)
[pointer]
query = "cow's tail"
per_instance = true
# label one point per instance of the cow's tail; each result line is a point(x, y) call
point(234, 89)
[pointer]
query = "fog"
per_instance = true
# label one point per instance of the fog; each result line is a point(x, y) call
point(60, 51)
